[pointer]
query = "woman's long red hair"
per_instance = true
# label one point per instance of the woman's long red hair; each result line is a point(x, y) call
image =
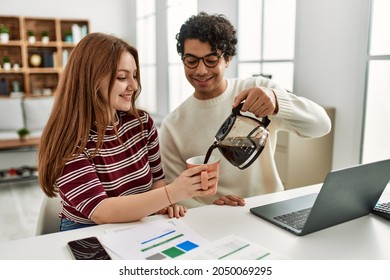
point(78, 104)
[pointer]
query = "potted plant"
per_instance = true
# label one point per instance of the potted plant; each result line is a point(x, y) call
point(23, 133)
point(6, 63)
point(31, 36)
point(45, 37)
point(4, 33)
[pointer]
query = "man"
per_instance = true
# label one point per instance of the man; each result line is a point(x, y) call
point(207, 44)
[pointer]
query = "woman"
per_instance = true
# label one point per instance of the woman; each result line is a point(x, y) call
point(98, 151)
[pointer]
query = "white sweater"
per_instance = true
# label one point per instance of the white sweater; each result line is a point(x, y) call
point(190, 130)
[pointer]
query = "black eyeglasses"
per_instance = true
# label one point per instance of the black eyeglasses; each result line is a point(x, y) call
point(210, 60)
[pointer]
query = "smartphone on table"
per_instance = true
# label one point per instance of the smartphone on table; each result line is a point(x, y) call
point(88, 248)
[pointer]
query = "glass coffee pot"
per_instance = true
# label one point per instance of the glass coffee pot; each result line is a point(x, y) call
point(241, 138)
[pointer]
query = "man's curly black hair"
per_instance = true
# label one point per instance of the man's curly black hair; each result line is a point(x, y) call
point(213, 29)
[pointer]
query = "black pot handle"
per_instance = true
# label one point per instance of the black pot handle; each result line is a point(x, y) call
point(237, 112)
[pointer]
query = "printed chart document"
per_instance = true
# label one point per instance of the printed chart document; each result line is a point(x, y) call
point(158, 240)
point(173, 239)
point(231, 247)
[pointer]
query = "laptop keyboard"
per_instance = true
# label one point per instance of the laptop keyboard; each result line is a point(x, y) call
point(296, 219)
point(382, 209)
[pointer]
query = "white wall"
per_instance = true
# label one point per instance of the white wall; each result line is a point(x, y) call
point(112, 17)
point(330, 51)
point(330, 66)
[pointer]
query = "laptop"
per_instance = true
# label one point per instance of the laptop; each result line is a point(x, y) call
point(346, 194)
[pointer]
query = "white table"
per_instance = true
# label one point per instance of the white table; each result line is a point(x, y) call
point(366, 238)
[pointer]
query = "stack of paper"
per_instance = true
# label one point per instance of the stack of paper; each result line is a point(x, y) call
point(173, 239)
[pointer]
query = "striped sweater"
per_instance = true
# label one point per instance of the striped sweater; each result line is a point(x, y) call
point(117, 170)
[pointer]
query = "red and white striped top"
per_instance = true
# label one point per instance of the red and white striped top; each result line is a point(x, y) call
point(117, 170)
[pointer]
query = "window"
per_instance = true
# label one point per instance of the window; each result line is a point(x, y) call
point(178, 12)
point(265, 46)
point(376, 131)
point(157, 23)
point(146, 46)
point(266, 42)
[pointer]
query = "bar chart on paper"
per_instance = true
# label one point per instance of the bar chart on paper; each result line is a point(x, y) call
point(167, 239)
point(177, 246)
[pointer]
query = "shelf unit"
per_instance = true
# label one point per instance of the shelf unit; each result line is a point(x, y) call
point(41, 78)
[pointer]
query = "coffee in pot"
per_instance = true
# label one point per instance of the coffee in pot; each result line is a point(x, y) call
point(240, 139)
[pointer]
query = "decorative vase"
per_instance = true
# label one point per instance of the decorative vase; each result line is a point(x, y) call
point(23, 138)
point(15, 86)
point(31, 39)
point(7, 66)
point(4, 37)
point(45, 39)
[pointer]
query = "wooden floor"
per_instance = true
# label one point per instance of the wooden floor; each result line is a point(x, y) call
point(19, 207)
